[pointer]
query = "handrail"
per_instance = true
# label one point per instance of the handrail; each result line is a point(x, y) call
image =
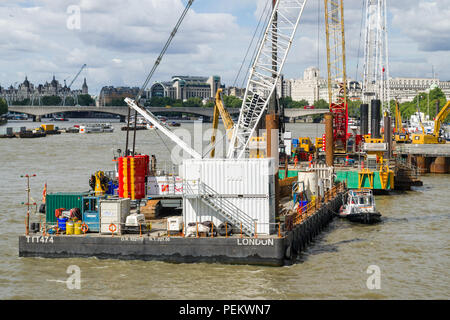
point(311, 208)
point(225, 207)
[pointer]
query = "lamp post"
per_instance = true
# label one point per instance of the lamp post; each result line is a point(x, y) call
point(27, 223)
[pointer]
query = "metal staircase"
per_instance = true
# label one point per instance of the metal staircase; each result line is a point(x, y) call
point(223, 207)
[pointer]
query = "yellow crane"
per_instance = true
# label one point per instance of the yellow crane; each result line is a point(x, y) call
point(434, 138)
point(400, 134)
point(219, 110)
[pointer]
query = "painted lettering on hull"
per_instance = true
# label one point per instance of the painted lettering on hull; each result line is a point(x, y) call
point(255, 242)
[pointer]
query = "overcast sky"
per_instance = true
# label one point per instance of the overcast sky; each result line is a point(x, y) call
point(119, 40)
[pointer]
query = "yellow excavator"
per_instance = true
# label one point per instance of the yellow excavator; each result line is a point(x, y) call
point(219, 110)
point(401, 135)
point(434, 138)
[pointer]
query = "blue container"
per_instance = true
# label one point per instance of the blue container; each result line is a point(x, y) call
point(62, 224)
point(111, 188)
point(295, 142)
point(92, 220)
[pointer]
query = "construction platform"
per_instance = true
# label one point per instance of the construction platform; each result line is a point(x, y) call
point(296, 231)
point(428, 158)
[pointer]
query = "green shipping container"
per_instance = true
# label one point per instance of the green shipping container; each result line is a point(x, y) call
point(62, 200)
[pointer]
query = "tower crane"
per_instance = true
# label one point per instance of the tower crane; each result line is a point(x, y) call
point(70, 85)
point(337, 74)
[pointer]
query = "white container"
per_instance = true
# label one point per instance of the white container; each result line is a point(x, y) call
point(113, 212)
point(248, 185)
point(230, 177)
point(174, 224)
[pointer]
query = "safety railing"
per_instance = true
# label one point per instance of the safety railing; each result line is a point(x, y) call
point(304, 212)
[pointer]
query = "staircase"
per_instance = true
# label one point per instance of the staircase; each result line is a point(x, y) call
point(226, 209)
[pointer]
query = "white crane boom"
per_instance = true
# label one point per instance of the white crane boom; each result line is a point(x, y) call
point(262, 81)
point(150, 117)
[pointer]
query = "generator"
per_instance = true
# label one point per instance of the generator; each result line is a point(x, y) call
point(135, 224)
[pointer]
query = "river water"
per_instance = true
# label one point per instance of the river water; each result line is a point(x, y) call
point(410, 247)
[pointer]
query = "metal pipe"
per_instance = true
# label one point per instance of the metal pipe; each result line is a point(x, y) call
point(329, 139)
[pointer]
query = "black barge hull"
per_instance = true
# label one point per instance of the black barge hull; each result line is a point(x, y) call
point(274, 251)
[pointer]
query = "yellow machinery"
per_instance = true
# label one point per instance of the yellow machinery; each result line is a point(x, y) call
point(306, 145)
point(48, 127)
point(99, 183)
point(400, 134)
point(219, 109)
point(435, 138)
point(319, 143)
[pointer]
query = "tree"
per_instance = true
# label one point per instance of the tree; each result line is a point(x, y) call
point(85, 100)
point(3, 106)
point(51, 100)
point(193, 102)
point(232, 102)
point(321, 104)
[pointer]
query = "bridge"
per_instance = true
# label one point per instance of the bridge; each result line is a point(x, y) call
point(38, 111)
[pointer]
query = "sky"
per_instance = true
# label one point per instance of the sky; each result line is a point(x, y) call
point(119, 40)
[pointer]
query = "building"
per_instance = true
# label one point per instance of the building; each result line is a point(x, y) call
point(27, 90)
point(111, 95)
point(406, 89)
point(313, 88)
point(185, 87)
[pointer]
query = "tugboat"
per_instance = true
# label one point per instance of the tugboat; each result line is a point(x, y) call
point(360, 207)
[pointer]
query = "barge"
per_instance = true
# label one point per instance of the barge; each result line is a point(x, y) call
point(294, 231)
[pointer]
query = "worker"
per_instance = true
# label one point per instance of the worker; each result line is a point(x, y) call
point(310, 160)
point(295, 161)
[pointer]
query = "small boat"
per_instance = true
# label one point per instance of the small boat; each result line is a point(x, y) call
point(97, 128)
point(107, 127)
point(151, 127)
point(131, 128)
point(174, 124)
point(360, 207)
point(59, 119)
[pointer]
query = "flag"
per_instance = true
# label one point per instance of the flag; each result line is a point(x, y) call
point(44, 193)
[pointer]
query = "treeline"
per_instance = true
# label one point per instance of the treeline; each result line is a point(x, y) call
point(83, 100)
point(3, 106)
point(229, 102)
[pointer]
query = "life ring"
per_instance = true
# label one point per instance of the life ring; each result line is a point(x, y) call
point(112, 227)
point(84, 228)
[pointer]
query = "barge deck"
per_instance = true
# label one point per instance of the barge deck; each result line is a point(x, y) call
point(296, 232)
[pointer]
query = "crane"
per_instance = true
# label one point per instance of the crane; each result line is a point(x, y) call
point(376, 55)
point(434, 138)
point(400, 134)
point(219, 109)
point(337, 74)
point(70, 85)
point(133, 104)
point(263, 78)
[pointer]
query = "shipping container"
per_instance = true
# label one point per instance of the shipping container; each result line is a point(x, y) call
point(113, 211)
point(62, 200)
point(248, 185)
point(230, 177)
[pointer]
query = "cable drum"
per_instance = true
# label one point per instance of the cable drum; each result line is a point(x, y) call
point(225, 229)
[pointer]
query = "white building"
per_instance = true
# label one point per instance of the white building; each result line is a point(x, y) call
point(313, 88)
